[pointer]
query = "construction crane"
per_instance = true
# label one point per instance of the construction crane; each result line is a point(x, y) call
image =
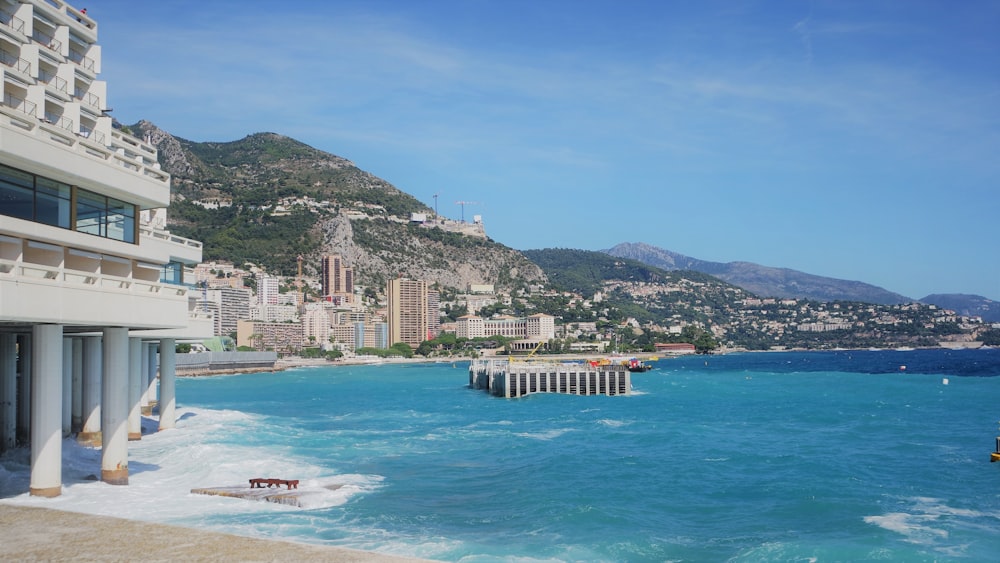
point(463, 204)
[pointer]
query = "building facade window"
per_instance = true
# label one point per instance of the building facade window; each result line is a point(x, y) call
point(35, 198)
point(173, 273)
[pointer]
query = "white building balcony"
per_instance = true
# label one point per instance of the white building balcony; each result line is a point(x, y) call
point(54, 275)
point(160, 243)
point(36, 293)
point(29, 142)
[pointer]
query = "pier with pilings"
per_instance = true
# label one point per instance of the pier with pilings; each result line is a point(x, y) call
point(512, 378)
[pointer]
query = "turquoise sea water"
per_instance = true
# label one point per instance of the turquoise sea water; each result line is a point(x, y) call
point(822, 456)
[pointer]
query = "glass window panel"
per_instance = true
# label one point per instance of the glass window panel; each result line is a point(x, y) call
point(52, 203)
point(128, 229)
point(121, 227)
point(121, 220)
point(34, 198)
point(16, 201)
point(16, 177)
point(172, 272)
point(120, 207)
point(91, 213)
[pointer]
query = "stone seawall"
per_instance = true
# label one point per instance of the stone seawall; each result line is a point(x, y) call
point(208, 363)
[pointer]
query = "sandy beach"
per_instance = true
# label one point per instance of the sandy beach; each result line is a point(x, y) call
point(42, 534)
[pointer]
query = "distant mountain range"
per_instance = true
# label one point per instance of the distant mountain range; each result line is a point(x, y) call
point(766, 281)
point(967, 305)
point(228, 196)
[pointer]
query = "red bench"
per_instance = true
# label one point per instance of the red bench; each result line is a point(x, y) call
point(259, 483)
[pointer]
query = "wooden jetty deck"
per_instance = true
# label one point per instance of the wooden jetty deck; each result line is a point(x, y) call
point(511, 379)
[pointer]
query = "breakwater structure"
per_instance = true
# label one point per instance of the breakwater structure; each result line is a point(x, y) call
point(511, 378)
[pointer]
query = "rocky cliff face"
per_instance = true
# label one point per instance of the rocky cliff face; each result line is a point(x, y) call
point(173, 158)
point(381, 249)
point(267, 199)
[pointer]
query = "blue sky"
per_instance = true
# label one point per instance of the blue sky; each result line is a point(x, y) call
point(857, 140)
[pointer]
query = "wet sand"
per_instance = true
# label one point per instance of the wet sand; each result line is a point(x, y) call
point(42, 534)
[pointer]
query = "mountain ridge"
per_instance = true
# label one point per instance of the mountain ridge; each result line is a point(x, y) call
point(967, 305)
point(267, 199)
point(764, 281)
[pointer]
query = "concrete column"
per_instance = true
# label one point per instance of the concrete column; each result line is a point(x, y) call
point(24, 389)
point(46, 411)
point(76, 393)
point(134, 388)
point(67, 384)
point(150, 393)
point(168, 368)
point(114, 407)
point(144, 409)
point(8, 391)
point(93, 367)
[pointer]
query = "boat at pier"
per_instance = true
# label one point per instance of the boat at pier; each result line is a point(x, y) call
point(634, 365)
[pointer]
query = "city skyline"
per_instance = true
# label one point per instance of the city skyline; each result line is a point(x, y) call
point(849, 140)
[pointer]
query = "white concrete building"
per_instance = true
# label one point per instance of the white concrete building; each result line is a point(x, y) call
point(267, 290)
point(316, 324)
point(87, 292)
point(232, 304)
point(536, 327)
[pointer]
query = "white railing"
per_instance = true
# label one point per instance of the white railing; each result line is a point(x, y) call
point(165, 235)
point(140, 157)
point(66, 277)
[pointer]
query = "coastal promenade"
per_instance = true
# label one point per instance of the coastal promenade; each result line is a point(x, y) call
point(42, 534)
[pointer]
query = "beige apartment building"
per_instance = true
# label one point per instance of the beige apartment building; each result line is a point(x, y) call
point(407, 311)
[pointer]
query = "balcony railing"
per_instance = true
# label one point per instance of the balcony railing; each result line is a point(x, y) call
point(46, 40)
point(20, 104)
point(15, 23)
point(69, 277)
point(89, 133)
point(165, 235)
point(87, 98)
point(52, 80)
point(59, 121)
point(121, 149)
point(15, 62)
point(82, 60)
